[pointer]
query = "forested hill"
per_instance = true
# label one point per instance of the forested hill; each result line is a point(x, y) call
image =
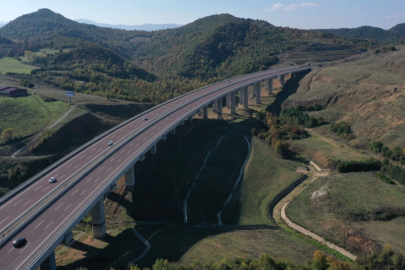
point(223, 45)
point(398, 29)
point(45, 24)
point(367, 32)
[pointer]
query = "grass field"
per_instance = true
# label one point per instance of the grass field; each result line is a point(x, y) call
point(324, 150)
point(357, 211)
point(8, 64)
point(29, 114)
point(266, 175)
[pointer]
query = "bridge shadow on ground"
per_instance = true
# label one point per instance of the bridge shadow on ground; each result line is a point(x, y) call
point(289, 88)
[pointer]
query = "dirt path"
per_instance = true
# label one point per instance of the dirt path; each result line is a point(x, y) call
point(279, 214)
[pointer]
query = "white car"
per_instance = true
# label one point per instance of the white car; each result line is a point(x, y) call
point(144, 119)
point(110, 143)
point(52, 180)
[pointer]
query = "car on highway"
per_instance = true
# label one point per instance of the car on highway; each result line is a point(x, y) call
point(52, 180)
point(19, 242)
point(144, 119)
point(110, 143)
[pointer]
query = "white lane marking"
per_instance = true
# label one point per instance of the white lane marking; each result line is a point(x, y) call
point(25, 247)
point(4, 219)
point(18, 202)
point(62, 176)
point(82, 157)
point(122, 151)
point(136, 144)
point(38, 224)
point(97, 179)
point(129, 152)
point(75, 192)
point(56, 175)
point(37, 188)
point(69, 166)
point(112, 159)
point(48, 225)
point(101, 169)
point(118, 161)
point(108, 169)
point(89, 179)
point(67, 207)
point(58, 206)
point(11, 249)
point(93, 149)
point(114, 136)
point(88, 157)
point(144, 138)
point(75, 166)
point(83, 192)
point(45, 189)
point(26, 203)
point(131, 144)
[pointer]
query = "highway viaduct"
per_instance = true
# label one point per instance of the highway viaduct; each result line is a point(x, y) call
point(45, 214)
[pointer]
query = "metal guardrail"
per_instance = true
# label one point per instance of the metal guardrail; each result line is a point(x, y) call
point(113, 179)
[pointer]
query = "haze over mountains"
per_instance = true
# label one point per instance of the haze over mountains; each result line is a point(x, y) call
point(142, 27)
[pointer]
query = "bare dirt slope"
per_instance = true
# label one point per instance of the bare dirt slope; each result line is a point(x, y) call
point(365, 90)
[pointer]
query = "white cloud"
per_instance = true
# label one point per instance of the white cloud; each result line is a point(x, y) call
point(290, 7)
point(394, 16)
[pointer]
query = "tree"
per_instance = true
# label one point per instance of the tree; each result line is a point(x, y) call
point(376, 146)
point(7, 134)
point(30, 55)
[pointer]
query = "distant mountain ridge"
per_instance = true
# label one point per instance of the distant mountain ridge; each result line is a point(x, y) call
point(2, 24)
point(369, 32)
point(142, 27)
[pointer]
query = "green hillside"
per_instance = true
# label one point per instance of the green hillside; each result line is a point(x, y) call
point(398, 29)
point(368, 32)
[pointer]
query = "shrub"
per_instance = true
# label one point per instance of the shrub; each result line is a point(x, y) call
point(359, 166)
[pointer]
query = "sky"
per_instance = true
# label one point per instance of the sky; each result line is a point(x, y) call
point(311, 14)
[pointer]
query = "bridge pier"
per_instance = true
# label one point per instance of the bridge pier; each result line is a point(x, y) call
point(68, 237)
point(190, 118)
point(173, 132)
point(241, 100)
point(153, 150)
point(233, 103)
point(214, 106)
point(49, 263)
point(294, 75)
point(282, 79)
point(200, 113)
point(219, 108)
point(254, 90)
point(142, 158)
point(258, 92)
point(130, 177)
point(245, 97)
point(98, 219)
point(228, 101)
point(205, 111)
point(269, 85)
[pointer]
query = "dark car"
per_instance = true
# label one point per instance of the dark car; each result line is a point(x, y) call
point(110, 143)
point(19, 242)
point(144, 119)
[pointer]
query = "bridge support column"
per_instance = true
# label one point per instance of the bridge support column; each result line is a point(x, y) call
point(68, 237)
point(269, 85)
point(241, 97)
point(258, 92)
point(205, 111)
point(254, 90)
point(228, 101)
point(153, 150)
point(142, 158)
point(190, 118)
point(233, 103)
point(130, 177)
point(214, 107)
point(200, 113)
point(294, 75)
point(98, 219)
point(49, 263)
point(246, 97)
point(282, 78)
point(173, 132)
point(219, 108)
